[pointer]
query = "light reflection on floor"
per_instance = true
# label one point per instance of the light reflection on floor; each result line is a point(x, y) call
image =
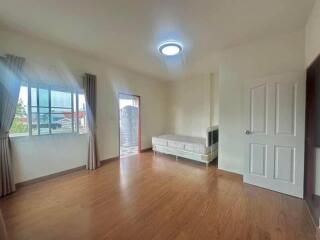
point(128, 151)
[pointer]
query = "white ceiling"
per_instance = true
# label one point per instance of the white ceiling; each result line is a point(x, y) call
point(128, 32)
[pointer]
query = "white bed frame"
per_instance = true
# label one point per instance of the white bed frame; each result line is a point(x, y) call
point(204, 158)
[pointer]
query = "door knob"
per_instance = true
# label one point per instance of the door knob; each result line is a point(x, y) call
point(248, 132)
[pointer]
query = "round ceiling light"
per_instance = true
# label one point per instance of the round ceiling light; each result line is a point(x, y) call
point(170, 49)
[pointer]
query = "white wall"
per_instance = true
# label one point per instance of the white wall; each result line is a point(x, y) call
point(274, 55)
point(193, 104)
point(42, 155)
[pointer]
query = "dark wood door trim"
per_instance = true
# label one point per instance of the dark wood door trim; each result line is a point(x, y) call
point(313, 78)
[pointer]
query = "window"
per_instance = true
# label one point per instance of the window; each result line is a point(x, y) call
point(20, 126)
point(45, 110)
point(82, 117)
point(62, 119)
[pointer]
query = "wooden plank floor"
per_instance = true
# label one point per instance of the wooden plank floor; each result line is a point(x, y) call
point(143, 197)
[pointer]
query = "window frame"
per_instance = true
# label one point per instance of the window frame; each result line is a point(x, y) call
point(75, 129)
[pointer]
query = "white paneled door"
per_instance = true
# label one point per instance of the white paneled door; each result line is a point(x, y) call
point(274, 133)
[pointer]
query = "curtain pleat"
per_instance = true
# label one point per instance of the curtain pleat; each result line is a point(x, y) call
point(89, 84)
point(10, 81)
point(3, 232)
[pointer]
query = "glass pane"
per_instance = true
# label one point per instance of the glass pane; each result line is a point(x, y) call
point(44, 123)
point(43, 97)
point(82, 102)
point(61, 99)
point(43, 110)
point(61, 110)
point(56, 117)
point(20, 122)
point(61, 123)
point(34, 124)
point(34, 109)
point(82, 114)
point(75, 116)
point(34, 96)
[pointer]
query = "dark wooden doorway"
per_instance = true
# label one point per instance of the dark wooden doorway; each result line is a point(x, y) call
point(312, 140)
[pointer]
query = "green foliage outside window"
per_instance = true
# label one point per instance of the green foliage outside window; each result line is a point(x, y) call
point(18, 125)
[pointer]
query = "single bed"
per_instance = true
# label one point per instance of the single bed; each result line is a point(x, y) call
point(195, 148)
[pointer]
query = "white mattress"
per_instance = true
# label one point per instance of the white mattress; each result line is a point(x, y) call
point(187, 143)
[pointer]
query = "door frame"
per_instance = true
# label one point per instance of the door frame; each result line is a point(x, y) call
point(139, 115)
point(313, 201)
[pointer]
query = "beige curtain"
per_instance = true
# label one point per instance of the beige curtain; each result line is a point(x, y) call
point(89, 84)
point(10, 81)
